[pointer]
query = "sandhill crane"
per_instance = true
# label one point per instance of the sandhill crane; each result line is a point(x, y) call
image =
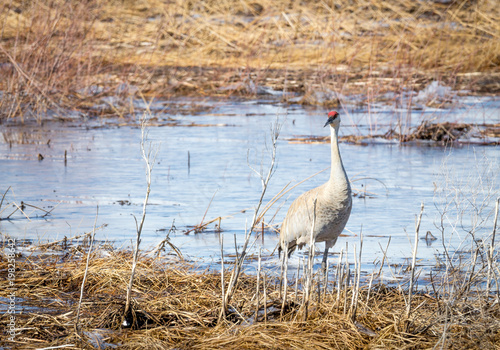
point(333, 205)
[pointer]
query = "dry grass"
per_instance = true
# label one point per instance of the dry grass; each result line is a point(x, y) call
point(177, 306)
point(58, 55)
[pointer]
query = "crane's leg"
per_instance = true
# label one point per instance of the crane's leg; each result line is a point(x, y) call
point(325, 258)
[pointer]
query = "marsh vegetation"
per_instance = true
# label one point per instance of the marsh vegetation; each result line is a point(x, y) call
point(184, 257)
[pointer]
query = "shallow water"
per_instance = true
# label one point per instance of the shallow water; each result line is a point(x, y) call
point(197, 163)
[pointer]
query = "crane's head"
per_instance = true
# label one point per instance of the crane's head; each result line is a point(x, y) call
point(333, 119)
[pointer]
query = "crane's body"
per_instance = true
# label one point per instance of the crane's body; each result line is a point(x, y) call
point(333, 205)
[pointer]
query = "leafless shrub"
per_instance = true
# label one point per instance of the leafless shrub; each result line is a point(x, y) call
point(148, 153)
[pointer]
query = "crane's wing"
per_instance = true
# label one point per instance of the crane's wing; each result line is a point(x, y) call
point(296, 227)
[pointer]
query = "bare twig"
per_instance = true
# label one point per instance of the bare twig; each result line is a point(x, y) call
point(47, 212)
point(156, 251)
point(275, 132)
point(235, 273)
point(383, 257)
point(201, 226)
point(19, 208)
point(3, 197)
point(204, 225)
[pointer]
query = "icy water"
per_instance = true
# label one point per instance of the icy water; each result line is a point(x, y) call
point(202, 172)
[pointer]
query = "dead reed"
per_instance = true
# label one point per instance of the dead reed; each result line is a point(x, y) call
point(57, 56)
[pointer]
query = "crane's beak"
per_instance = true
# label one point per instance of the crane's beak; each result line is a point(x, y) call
point(329, 121)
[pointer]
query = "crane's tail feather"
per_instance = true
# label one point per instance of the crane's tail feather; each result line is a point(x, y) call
point(291, 248)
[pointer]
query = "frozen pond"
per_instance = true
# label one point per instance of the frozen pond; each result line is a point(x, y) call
point(204, 156)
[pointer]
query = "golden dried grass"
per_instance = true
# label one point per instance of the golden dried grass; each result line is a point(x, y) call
point(177, 305)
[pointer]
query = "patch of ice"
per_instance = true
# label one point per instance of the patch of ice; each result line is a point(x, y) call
point(434, 91)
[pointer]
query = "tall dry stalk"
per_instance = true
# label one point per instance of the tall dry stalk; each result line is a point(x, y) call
point(223, 309)
point(413, 261)
point(297, 281)
point(257, 291)
point(492, 249)
point(284, 278)
point(310, 265)
point(355, 294)
point(347, 277)
point(339, 276)
point(92, 236)
point(149, 157)
point(264, 290)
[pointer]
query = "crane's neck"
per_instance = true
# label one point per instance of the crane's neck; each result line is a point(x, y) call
point(338, 176)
